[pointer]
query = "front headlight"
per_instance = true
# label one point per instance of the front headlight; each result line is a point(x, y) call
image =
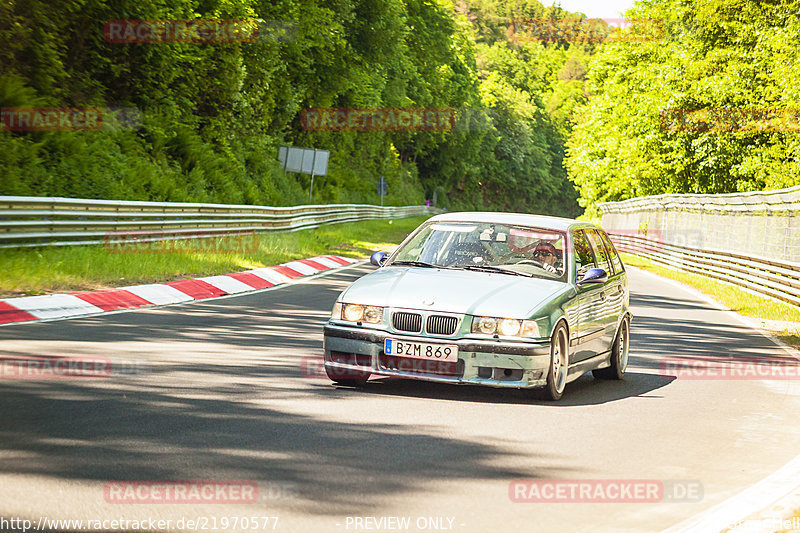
point(507, 327)
point(484, 324)
point(373, 314)
point(369, 314)
point(353, 312)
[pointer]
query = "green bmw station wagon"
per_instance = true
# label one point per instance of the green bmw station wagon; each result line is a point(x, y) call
point(495, 299)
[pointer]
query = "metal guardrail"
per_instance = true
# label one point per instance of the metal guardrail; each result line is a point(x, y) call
point(35, 221)
point(778, 279)
point(758, 202)
point(763, 223)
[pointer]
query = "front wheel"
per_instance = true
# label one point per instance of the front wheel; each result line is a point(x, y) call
point(559, 358)
point(619, 354)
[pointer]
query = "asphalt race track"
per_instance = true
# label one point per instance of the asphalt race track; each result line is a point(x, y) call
point(230, 390)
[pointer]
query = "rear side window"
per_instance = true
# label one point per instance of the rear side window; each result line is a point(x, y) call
point(584, 257)
point(603, 260)
point(612, 252)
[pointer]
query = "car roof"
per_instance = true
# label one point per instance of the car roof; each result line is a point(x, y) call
point(522, 219)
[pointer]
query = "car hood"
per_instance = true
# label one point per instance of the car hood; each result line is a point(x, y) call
point(453, 291)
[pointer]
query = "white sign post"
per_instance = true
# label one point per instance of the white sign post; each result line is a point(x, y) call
point(383, 188)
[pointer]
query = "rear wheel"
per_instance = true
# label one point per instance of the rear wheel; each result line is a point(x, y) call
point(559, 358)
point(346, 377)
point(619, 354)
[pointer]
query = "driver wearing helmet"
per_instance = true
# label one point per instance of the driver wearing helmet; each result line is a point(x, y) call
point(546, 254)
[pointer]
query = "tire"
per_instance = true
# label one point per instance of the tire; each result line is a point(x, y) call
point(559, 358)
point(347, 378)
point(619, 354)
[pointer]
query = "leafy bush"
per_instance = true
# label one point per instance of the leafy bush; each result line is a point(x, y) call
point(213, 115)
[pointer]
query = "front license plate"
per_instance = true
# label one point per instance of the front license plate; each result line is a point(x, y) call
point(421, 350)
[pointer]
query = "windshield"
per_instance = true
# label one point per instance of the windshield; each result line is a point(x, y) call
point(514, 250)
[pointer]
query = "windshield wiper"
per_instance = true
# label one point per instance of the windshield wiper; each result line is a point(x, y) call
point(489, 268)
point(416, 264)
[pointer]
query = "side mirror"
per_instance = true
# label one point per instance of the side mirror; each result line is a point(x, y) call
point(378, 258)
point(594, 275)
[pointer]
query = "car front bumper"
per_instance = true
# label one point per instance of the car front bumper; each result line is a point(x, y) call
point(480, 362)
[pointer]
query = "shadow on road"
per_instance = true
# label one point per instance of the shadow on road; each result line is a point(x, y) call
point(218, 413)
point(692, 336)
point(220, 380)
point(583, 391)
point(141, 432)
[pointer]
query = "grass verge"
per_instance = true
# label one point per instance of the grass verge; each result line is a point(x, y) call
point(74, 268)
point(779, 318)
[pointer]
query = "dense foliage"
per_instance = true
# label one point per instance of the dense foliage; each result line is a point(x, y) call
point(212, 115)
point(700, 96)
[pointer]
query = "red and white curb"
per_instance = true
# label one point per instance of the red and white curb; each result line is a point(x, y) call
point(74, 304)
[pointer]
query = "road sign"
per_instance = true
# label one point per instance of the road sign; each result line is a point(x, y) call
point(304, 160)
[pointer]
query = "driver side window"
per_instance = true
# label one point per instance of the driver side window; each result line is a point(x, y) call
point(584, 256)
